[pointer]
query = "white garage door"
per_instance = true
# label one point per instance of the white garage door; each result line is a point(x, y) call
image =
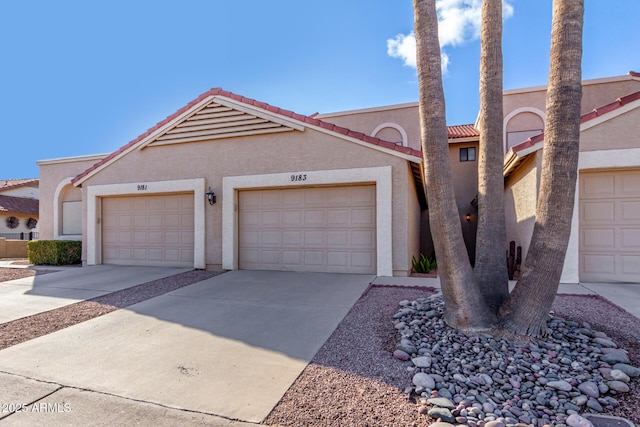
point(610, 226)
point(148, 230)
point(325, 229)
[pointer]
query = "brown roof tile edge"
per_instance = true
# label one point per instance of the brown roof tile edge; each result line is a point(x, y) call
point(19, 205)
point(597, 112)
point(287, 113)
point(19, 183)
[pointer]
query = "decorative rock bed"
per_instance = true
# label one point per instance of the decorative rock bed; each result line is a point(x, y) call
point(489, 381)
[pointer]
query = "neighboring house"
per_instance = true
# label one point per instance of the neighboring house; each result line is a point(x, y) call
point(605, 235)
point(19, 210)
point(338, 192)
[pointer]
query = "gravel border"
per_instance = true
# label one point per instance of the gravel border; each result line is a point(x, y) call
point(354, 380)
point(28, 328)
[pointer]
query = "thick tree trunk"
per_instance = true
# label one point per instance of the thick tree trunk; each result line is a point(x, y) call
point(526, 309)
point(464, 305)
point(491, 268)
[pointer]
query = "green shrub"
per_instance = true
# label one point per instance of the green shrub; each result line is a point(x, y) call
point(55, 252)
point(424, 264)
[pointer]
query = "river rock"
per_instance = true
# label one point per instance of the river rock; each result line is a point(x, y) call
point(618, 386)
point(590, 389)
point(442, 413)
point(422, 361)
point(632, 371)
point(560, 385)
point(576, 420)
point(441, 402)
point(424, 380)
point(618, 375)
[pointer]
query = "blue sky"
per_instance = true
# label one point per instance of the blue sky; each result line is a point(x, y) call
point(81, 77)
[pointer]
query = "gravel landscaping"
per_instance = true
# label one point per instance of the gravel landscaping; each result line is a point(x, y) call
point(355, 380)
point(7, 274)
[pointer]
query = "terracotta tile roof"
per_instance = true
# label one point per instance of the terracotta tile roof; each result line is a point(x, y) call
point(310, 120)
point(7, 184)
point(19, 205)
point(463, 131)
point(620, 102)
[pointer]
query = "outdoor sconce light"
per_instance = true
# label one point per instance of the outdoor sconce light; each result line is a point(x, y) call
point(468, 217)
point(211, 196)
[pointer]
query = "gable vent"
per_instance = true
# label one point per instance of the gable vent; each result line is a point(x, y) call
point(217, 120)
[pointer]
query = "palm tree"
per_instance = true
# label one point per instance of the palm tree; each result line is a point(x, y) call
point(490, 267)
point(465, 307)
point(474, 300)
point(525, 311)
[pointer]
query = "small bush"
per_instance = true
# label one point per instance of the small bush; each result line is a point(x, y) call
point(55, 252)
point(424, 264)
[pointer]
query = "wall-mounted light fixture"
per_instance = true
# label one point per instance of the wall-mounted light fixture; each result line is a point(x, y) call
point(468, 217)
point(211, 196)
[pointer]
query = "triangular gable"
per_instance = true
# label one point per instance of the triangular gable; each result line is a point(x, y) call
point(223, 118)
point(622, 105)
point(221, 114)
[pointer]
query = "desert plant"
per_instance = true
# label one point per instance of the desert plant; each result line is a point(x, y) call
point(424, 264)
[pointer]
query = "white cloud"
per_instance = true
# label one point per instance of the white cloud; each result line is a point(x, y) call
point(459, 22)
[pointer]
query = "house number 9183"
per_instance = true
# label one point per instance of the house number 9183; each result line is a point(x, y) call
point(301, 177)
point(142, 187)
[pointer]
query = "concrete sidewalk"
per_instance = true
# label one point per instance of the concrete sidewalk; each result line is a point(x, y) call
point(31, 295)
point(624, 295)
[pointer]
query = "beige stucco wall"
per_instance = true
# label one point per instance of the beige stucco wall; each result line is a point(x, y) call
point(521, 195)
point(265, 154)
point(525, 121)
point(13, 248)
point(620, 132)
point(52, 174)
point(366, 121)
point(465, 183)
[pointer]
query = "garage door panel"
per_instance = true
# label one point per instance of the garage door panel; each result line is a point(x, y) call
point(630, 211)
point(630, 264)
point(148, 230)
point(610, 226)
point(629, 184)
point(630, 238)
point(319, 229)
point(599, 238)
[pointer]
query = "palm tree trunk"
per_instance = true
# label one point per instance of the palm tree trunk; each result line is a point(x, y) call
point(464, 305)
point(490, 268)
point(526, 309)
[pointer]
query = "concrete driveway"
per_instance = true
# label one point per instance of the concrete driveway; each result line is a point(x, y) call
point(30, 295)
point(229, 347)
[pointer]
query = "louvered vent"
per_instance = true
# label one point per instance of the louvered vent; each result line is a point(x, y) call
point(215, 121)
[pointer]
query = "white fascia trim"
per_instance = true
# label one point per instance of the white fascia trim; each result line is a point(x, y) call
point(56, 212)
point(610, 115)
point(381, 176)
point(95, 157)
point(148, 139)
point(368, 110)
point(403, 133)
point(195, 185)
point(623, 158)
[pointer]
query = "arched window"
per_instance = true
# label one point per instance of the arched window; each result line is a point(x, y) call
point(391, 132)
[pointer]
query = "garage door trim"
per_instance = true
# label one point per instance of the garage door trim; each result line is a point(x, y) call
point(380, 176)
point(96, 192)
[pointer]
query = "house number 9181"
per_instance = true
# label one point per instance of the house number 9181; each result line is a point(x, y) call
point(301, 177)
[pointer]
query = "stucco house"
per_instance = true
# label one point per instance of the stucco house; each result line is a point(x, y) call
point(19, 211)
point(230, 182)
point(605, 236)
